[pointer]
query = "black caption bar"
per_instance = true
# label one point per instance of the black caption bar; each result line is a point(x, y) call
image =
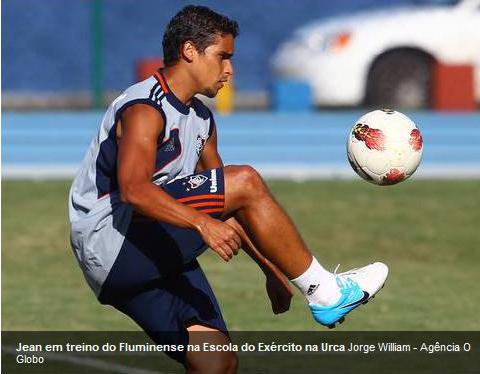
point(378, 352)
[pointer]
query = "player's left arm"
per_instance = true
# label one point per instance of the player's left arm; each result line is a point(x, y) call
point(278, 287)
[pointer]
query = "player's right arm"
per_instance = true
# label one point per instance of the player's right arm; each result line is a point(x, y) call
point(137, 135)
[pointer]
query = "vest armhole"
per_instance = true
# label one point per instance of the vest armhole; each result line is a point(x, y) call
point(212, 124)
point(148, 102)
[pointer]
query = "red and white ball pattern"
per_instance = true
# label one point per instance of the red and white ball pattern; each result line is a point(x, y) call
point(384, 147)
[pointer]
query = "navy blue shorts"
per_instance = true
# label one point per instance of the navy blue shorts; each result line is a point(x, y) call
point(156, 279)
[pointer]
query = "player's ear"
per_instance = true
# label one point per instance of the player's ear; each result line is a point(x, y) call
point(189, 52)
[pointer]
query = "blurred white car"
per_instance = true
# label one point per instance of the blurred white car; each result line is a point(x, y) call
point(383, 57)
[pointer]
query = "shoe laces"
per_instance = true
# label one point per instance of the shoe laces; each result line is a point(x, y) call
point(351, 271)
point(335, 271)
point(343, 281)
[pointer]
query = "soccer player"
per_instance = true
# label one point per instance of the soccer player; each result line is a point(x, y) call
point(152, 194)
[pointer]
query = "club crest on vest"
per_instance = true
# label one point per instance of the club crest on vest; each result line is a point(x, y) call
point(196, 181)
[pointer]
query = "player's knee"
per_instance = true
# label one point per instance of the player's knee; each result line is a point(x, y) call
point(221, 363)
point(228, 364)
point(247, 180)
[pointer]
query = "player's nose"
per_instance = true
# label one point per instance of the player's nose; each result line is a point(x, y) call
point(228, 67)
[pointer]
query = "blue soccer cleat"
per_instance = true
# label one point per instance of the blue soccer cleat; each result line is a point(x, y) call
point(357, 286)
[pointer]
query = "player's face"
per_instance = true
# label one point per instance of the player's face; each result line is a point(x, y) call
point(214, 65)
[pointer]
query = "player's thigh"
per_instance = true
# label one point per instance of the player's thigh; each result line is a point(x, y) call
point(210, 359)
point(204, 191)
point(159, 249)
point(148, 254)
point(243, 186)
point(167, 307)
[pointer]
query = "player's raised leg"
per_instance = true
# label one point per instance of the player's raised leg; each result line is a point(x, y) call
point(330, 295)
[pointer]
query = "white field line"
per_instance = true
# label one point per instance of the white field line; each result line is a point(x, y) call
point(87, 362)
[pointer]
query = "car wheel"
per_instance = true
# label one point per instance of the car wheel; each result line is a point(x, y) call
point(400, 79)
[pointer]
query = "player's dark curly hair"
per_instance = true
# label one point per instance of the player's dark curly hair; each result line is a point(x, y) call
point(198, 24)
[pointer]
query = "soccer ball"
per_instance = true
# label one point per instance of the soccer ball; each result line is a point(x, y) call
point(384, 147)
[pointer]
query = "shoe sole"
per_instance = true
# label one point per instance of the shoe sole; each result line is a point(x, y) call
point(341, 320)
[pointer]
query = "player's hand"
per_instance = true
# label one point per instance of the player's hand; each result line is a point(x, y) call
point(221, 237)
point(278, 290)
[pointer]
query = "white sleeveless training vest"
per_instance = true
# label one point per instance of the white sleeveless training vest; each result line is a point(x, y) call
point(99, 219)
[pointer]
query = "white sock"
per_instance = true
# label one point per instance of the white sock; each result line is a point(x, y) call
point(318, 285)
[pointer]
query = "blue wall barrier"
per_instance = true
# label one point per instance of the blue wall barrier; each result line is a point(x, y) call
point(287, 145)
point(46, 44)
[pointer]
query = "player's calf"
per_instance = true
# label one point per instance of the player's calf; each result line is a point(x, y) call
point(212, 363)
point(329, 295)
point(214, 356)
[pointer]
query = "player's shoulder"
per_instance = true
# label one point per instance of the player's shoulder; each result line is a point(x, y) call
point(142, 92)
point(200, 109)
point(143, 89)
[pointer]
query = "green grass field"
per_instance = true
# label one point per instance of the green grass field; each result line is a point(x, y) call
point(426, 231)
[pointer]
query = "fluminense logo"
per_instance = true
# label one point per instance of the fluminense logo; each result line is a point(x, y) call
point(196, 181)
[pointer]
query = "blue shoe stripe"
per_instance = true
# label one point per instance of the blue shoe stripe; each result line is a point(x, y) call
point(352, 297)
